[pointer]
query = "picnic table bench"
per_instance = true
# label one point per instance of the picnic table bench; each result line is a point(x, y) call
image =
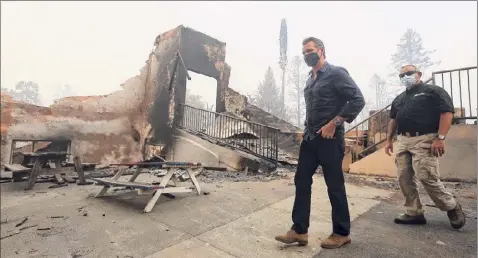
point(18, 171)
point(40, 159)
point(21, 170)
point(146, 188)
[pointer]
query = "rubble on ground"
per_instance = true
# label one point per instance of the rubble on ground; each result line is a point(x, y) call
point(210, 176)
point(204, 175)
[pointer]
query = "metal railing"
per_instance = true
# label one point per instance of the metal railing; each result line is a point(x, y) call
point(256, 139)
point(461, 85)
point(365, 137)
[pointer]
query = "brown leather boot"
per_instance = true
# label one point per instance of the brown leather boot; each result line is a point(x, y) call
point(335, 241)
point(292, 237)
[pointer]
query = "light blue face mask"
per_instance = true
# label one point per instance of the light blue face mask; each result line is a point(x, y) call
point(408, 81)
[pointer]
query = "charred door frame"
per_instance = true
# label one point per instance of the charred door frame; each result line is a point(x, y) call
point(196, 52)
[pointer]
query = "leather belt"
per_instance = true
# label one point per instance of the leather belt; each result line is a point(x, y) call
point(412, 134)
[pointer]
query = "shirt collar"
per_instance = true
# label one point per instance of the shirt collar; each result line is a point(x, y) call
point(322, 69)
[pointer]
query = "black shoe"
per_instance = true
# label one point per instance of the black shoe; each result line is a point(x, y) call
point(410, 220)
point(457, 217)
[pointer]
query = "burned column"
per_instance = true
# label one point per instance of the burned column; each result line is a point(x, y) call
point(187, 50)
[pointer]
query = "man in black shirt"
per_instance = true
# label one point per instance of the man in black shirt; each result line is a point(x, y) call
point(421, 116)
point(331, 97)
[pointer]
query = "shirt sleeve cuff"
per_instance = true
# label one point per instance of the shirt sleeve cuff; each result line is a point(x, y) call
point(447, 110)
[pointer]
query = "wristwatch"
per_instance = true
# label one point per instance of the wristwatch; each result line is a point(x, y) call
point(441, 137)
point(337, 122)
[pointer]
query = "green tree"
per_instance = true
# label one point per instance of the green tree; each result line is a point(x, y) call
point(27, 91)
point(267, 96)
point(298, 73)
point(410, 50)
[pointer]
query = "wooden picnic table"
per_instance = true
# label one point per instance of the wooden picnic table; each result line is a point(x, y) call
point(40, 159)
point(56, 157)
point(146, 188)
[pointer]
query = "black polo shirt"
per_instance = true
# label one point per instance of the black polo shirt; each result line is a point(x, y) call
point(333, 93)
point(418, 109)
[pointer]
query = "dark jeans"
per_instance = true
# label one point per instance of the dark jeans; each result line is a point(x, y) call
point(328, 153)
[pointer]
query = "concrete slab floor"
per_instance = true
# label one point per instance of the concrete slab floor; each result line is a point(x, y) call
point(375, 235)
point(237, 219)
point(253, 235)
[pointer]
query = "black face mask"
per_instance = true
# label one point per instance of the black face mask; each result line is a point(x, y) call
point(311, 59)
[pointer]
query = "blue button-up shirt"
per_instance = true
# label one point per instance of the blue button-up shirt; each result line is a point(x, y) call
point(333, 93)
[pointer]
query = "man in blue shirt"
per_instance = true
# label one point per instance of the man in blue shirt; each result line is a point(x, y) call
point(331, 98)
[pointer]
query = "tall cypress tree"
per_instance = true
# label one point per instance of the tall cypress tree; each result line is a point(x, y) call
point(283, 60)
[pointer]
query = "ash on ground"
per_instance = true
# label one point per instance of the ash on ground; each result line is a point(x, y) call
point(210, 176)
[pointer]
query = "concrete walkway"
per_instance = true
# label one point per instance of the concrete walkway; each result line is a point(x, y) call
point(252, 235)
point(237, 219)
point(375, 235)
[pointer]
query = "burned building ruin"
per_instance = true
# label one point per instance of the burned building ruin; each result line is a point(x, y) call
point(147, 117)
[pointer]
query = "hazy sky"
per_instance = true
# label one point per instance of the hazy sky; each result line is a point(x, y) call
point(95, 46)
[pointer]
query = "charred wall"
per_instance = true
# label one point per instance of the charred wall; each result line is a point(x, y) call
point(236, 103)
point(111, 128)
point(159, 113)
point(126, 125)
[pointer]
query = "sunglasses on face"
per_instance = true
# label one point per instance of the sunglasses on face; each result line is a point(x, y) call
point(407, 74)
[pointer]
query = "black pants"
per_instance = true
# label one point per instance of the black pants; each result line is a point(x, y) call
point(328, 153)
